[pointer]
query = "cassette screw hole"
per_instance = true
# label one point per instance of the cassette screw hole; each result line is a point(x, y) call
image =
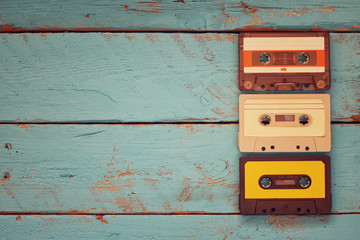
point(303, 58)
point(248, 85)
point(272, 147)
point(264, 210)
point(262, 86)
point(307, 210)
point(265, 120)
point(307, 148)
point(265, 58)
point(263, 148)
point(297, 147)
point(273, 209)
point(265, 182)
point(271, 85)
point(306, 85)
point(304, 120)
point(304, 182)
point(320, 84)
point(298, 209)
point(297, 85)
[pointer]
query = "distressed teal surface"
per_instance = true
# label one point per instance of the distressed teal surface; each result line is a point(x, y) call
point(143, 168)
point(142, 77)
point(191, 170)
point(181, 227)
point(180, 15)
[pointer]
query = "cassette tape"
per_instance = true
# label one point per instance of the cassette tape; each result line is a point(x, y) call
point(284, 61)
point(285, 185)
point(284, 123)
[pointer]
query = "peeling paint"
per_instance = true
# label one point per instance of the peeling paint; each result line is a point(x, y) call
point(130, 36)
point(215, 37)
point(109, 35)
point(130, 205)
point(145, 7)
point(101, 219)
point(10, 28)
point(185, 194)
point(285, 223)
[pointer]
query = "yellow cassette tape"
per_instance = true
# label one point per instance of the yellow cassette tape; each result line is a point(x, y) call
point(285, 185)
point(284, 123)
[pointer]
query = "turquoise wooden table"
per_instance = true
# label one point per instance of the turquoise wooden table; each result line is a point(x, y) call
point(119, 119)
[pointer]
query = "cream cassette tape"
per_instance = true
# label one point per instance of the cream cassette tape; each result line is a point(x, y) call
point(284, 123)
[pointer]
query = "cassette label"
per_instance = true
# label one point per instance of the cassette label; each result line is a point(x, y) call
point(285, 185)
point(284, 123)
point(284, 61)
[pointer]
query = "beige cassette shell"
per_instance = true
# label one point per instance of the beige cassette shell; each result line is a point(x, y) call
point(284, 135)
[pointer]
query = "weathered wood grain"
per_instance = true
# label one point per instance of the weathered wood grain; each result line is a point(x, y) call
point(17, 15)
point(180, 227)
point(142, 168)
point(142, 77)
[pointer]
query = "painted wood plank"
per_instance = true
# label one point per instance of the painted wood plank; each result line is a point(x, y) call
point(142, 168)
point(142, 77)
point(179, 15)
point(180, 227)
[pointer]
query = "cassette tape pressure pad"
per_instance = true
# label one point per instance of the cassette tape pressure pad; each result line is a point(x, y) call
point(285, 185)
point(284, 61)
point(284, 123)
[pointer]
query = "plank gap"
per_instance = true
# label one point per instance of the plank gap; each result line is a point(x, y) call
point(150, 214)
point(12, 31)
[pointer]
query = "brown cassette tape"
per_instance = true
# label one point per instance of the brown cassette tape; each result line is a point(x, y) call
point(284, 123)
point(285, 185)
point(284, 61)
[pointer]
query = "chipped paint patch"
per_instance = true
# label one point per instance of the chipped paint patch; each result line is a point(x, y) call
point(18, 218)
point(24, 126)
point(130, 36)
point(188, 85)
point(109, 35)
point(130, 205)
point(185, 194)
point(10, 28)
point(145, 7)
point(356, 118)
point(6, 177)
point(285, 223)
point(190, 128)
point(215, 37)
point(152, 37)
point(101, 219)
point(200, 119)
point(218, 111)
